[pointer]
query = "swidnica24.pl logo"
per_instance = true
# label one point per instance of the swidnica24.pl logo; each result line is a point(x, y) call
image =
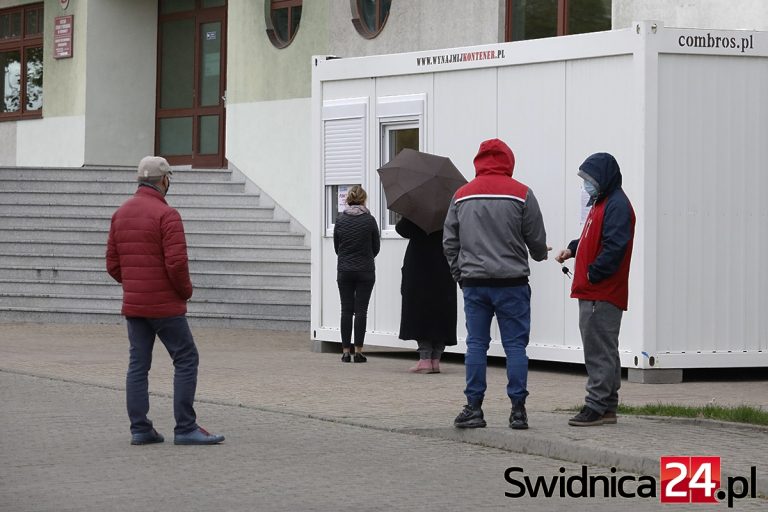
point(683, 480)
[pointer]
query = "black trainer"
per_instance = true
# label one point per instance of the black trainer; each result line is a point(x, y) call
point(470, 417)
point(359, 358)
point(586, 418)
point(518, 419)
point(346, 357)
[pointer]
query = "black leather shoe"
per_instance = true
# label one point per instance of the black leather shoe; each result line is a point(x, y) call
point(346, 357)
point(360, 358)
point(151, 437)
point(518, 419)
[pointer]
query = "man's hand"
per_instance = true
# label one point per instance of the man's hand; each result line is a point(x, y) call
point(565, 254)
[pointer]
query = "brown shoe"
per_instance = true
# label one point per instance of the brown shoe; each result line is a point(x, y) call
point(610, 418)
point(586, 418)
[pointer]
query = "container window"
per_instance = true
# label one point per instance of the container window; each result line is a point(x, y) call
point(336, 202)
point(395, 138)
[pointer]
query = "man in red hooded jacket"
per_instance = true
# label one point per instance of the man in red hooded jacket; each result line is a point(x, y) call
point(601, 283)
point(493, 222)
point(147, 254)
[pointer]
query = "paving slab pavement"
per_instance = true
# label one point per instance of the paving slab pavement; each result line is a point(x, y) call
point(68, 454)
point(276, 372)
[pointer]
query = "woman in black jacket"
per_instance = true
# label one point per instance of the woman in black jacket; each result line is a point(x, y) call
point(429, 296)
point(356, 240)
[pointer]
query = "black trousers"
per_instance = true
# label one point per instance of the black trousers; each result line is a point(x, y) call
point(355, 291)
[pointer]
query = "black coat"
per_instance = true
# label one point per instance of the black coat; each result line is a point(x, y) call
point(428, 290)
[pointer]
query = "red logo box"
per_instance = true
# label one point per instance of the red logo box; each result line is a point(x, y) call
point(689, 479)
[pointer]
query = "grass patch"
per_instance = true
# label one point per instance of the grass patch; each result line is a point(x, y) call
point(738, 414)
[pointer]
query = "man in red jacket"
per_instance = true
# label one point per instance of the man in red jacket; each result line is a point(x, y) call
point(601, 283)
point(147, 253)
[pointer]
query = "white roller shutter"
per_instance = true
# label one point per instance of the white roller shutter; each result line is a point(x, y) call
point(344, 141)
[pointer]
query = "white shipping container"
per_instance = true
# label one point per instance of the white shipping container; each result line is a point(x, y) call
point(685, 113)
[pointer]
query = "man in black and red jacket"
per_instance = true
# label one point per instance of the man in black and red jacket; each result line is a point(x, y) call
point(601, 283)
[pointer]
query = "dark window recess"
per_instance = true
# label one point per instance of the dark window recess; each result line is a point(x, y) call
point(534, 19)
point(370, 16)
point(283, 21)
point(588, 16)
point(174, 6)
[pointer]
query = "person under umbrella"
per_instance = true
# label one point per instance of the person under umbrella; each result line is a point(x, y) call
point(420, 186)
point(428, 313)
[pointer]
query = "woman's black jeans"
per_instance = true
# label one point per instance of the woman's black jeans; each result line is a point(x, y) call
point(355, 291)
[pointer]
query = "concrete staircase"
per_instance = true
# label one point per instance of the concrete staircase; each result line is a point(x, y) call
point(248, 268)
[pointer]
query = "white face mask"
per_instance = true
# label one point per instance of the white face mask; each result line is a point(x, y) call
point(590, 188)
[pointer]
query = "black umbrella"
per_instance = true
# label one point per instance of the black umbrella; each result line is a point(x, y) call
point(420, 186)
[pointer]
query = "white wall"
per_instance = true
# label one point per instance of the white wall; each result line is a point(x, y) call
point(712, 210)
point(282, 170)
point(8, 143)
point(120, 83)
point(720, 14)
point(418, 25)
point(531, 118)
point(51, 142)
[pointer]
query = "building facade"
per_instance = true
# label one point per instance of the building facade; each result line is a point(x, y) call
point(216, 83)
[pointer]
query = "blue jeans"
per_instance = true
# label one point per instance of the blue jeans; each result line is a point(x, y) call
point(175, 334)
point(512, 307)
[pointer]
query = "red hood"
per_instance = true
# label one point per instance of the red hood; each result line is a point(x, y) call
point(494, 157)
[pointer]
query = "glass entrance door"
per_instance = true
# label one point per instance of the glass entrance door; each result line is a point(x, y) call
point(191, 82)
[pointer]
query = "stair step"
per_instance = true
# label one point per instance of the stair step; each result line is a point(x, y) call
point(126, 188)
point(243, 265)
point(96, 235)
point(116, 199)
point(111, 289)
point(84, 316)
point(56, 248)
point(124, 174)
point(90, 221)
point(203, 212)
point(113, 304)
point(204, 279)
point(248, 269)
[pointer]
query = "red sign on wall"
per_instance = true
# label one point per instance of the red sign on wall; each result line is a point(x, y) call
point(63, 28)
